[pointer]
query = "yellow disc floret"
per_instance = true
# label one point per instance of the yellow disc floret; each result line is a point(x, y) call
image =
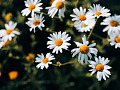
point(13, 75)
point(99, 67)
point(6, 43)
point(59, 5)
point(31, 7)
point(114, 23)
point(84, 49)
point(58, 42)
point(117, 39)
point(36, 22)
point(82, 17)
point(85, 25)
point(45, 60)
point(8, 31)
point(98, 13)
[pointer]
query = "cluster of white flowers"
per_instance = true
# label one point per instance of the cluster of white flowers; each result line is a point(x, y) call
point(7, 33)
point(84, 20)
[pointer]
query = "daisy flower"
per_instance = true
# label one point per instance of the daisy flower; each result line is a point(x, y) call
point(58, 41)
point(84, 50)
point(57, 6)
point(36, 21)
point(113, 24)
point(33, 6)
point(115, 40)
point(9, 32)
point(44, 61)
point(82, 16)
point(99, 66)
point(84, 27)
point(98, 11)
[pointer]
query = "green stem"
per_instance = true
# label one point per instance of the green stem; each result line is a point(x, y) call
point(92, 30)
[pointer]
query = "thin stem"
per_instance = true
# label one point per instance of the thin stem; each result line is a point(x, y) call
point(97, 36)
point(76, 3)
point(92, 30)
point(60, 64)
point(54, 16)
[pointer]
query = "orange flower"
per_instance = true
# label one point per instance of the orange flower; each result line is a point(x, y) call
point(30, 57)
point(8, 16)
point(13, 75)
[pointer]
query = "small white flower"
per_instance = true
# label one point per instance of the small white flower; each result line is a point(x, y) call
point(99, 66)
point(98, 11)
point(84, 50)
point(58, 41)
point(44, 61)
point(33, 6)
point(57, 6)
point(113, 24)
point(82, 16)
point(9, 32)
point(36, 21)
point(115, 40)
point(84, 27)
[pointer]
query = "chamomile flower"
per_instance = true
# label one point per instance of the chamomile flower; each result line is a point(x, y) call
point(9, 32)
point(84, 27)
point(113, 24)
point(36, 21)
point(57, 6)
point(33, 6)
point(100, 66)
point(82, 16)
point(44, 61)
point(84, 50)
point(58, 41)
point(115, 40)
point(99, 11)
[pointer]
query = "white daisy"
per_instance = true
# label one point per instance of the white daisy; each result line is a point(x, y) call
point(44, 61)
point(113, 24)
point(98, 11)
point(9, 32)
point(36, 21)
point(115, 39)
point(84, 50)
point(57, 5)
point(82, 16)
point(33, 6)
point(58, 41)
point(84, 27)
point(99, 66)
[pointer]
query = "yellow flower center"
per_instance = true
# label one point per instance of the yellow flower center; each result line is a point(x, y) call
point(114, 23)
point(13, 75)
point(84, 49)
point(36, 22)
point(117, 39)
point(45, 60)
point(98, 13)
point(8, 31)
point(51, 2)
point(99, 67)
point(59, 5)
point(31, 7)
point(6, 43)
point(58, 42)
point(82, 17)
point(85, 25)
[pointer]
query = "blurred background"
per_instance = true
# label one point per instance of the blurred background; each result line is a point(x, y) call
point(17, 68)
